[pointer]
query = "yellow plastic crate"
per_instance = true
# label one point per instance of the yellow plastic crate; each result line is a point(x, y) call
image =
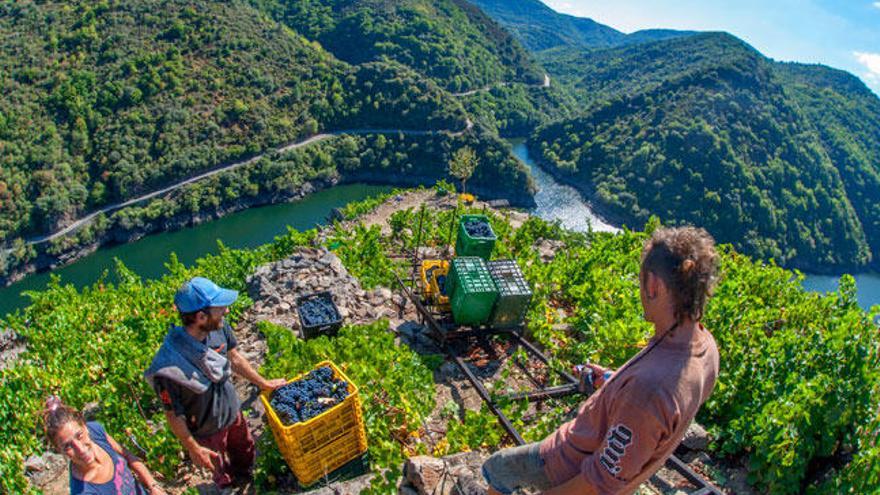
point(319, 446)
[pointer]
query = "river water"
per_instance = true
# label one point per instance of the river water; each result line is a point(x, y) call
point(147, 256)
point(256, 226)
point(557, 201)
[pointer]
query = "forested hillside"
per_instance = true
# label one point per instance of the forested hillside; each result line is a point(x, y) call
point(846, 115)
point(105, 101)
point(598, 75)
point(539, 27)
point(516, 110)
point(705, 130)
point(449, 41)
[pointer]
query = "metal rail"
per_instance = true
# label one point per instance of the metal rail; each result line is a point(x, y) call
point(484, 394)
point(444, 338)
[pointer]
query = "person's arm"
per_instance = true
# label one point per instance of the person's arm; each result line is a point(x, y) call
point(175, 414)
point(638, 423)
point(137, 467)
point(201, 456)
point(243, 368)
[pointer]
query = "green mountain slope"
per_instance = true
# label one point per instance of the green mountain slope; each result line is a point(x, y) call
point(846, 115)
point(702, 130)
point(516, 110)
point(597, 75)
point(814, 128)
point(539, 27)
point(448, 41)
point(105, 101)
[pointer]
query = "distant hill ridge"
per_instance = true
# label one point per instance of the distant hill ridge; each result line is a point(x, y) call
point(109, 100)
point(538, 27)
point(779, 159)
point(106, 101)
point(721, 146)
point(449, 41)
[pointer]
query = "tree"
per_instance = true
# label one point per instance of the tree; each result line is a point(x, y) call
point(464, 162)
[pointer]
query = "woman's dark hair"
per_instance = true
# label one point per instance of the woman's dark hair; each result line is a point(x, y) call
point(56, 414)
point(686, 260)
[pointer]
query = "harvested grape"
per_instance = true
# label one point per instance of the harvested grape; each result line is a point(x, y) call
point(303, 399)
point(478, 228)
point(318, 311)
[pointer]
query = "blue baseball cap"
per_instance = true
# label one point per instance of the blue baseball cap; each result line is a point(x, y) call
point(200, 293)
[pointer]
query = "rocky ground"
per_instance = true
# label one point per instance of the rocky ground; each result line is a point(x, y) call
point(11, 345)
point(275, 287)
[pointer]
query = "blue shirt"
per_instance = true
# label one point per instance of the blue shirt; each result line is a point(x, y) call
point(122, 483)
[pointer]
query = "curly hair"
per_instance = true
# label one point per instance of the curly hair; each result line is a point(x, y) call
point(56, 414)
point(686, 260)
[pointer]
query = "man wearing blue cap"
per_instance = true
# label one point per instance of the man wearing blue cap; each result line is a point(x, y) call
point(191, 374)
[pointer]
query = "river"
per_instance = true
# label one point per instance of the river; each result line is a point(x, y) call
point(147, 256)
point(557, 201)
point(256, 226)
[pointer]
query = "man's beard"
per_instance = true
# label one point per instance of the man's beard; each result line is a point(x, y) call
point(212, 325)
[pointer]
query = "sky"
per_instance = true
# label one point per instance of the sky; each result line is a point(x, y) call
point(841, 34)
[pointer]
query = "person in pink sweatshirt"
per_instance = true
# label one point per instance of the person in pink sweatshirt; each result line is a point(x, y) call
point(634, 421)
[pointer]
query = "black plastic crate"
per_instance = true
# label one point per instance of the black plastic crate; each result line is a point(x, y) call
point(514, 294)
point(318, 315)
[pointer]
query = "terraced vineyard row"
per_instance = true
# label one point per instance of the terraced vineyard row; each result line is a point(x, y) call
point(799, 382)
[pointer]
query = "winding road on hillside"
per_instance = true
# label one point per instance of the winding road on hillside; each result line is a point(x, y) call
point(282, 149)
point(545, 84)
point(232, 166)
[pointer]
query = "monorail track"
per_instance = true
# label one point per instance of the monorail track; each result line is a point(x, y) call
point(446, 335)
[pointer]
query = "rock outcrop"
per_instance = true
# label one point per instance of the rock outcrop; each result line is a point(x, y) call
point(276, 286)
point(457, 474)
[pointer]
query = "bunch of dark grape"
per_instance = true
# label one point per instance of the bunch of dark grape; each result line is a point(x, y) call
point(478, 228)
point(317, 311)
point(309, 396)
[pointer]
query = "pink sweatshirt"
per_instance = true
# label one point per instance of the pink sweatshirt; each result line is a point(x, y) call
point(626, 430)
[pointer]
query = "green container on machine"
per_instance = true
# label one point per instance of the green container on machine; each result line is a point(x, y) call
point(479, 242)
point(514, 294)
point(471, 291)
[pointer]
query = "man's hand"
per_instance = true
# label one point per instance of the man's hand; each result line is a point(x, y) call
point(205, 458)
point(596, 378)
point(243, 368)
point(270, 385)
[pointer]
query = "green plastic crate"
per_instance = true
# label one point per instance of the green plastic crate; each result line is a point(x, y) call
point(467, 245)
point(514, 294)
point(472, 293)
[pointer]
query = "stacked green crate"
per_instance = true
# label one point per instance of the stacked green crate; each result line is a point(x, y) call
point(514, 294)
point(472, 293)
point(475, 237)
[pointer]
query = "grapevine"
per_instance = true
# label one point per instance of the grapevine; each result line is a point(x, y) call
point(798, 377)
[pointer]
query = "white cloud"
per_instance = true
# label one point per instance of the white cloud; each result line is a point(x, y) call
point(871, 61)
point(877, 4)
